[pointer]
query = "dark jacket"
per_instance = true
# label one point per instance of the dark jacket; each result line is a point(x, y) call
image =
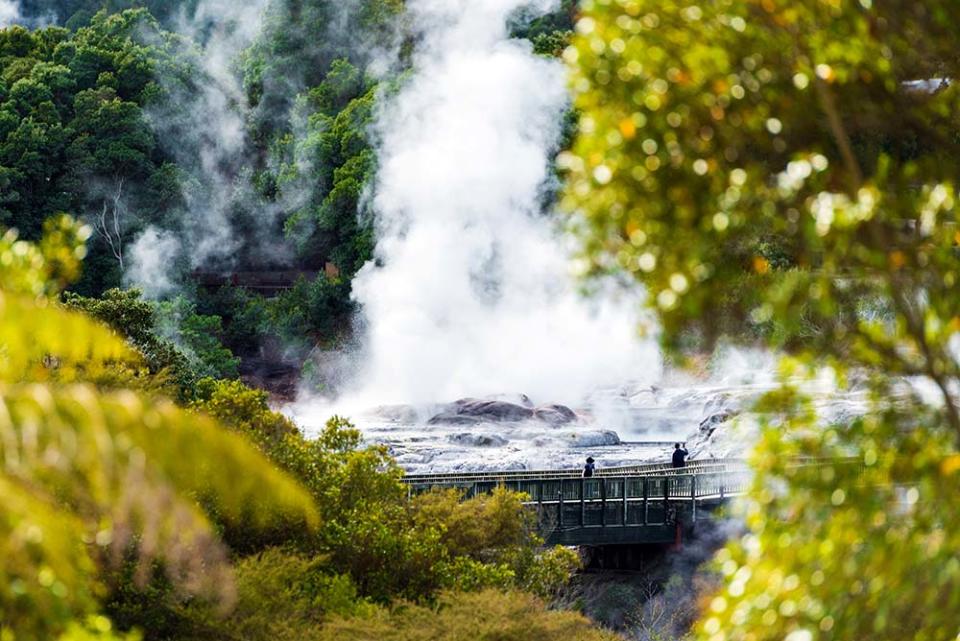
point(679, 455)
point(588, 470)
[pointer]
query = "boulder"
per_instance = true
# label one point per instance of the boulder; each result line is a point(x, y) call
point(472, 411)
point(517, 399)
point(447, 418)
point(493, 410)
point(594, 439)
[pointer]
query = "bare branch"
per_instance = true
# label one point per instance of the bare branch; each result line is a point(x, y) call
point(108, 223)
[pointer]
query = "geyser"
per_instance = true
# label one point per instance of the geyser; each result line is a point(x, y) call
point(471, 292)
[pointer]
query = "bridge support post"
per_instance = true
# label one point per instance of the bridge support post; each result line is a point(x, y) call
point(623, 519)
point(693, 498)
point(603, 502)
point(646, 496)
point(539, 487)
point(666, 499)
point(583, 508)
point(560, 507)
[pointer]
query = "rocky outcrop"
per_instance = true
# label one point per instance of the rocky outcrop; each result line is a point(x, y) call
point(516, 399)
point(712, 421)
point(473, 411)
point(447, 418)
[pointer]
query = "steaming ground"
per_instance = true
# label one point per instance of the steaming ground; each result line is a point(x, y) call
point(617, 426)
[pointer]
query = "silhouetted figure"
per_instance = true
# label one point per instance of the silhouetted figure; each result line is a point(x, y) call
point(679, 455)
point(588, 468)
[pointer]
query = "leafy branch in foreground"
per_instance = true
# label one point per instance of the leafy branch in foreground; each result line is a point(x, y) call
point(783, 173)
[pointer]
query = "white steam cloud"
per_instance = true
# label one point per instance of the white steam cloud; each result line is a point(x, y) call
point(220, 116)
point(152, 253)
point(216, 126)
point(9, 13)
point(474, 295)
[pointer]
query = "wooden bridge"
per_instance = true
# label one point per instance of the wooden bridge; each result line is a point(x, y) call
point(643, 504)
point(267, 283)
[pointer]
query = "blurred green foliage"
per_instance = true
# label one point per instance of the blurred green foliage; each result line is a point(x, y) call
point(479, 615)
point(783, 173)
point(90, 476)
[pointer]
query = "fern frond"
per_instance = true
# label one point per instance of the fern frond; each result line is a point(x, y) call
point(131, 471)
point(46, 572)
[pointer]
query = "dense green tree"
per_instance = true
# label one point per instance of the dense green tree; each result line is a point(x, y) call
point(136, 321)
point(550, 33)
point(75, 14)
point(328, 169)
point(74, 135)
point(281, 595)
point(480, 615)
point(789, 167)
point(198, 336)
point(289, 58)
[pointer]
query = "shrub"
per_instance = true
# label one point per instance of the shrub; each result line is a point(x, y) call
point(479, 616)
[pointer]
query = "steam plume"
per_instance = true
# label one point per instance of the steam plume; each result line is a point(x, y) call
point(9, 13)
point(149, 269)
point(473, 296)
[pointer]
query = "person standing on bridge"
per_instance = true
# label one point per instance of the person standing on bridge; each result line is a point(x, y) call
point(680, 455)
point(588, 468)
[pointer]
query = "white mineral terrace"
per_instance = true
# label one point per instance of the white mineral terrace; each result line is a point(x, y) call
point(617, 426)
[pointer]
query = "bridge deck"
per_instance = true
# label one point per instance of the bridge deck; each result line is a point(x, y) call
point(626, 505)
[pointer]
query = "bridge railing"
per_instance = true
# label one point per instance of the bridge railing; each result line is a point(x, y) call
point(564, 504)
point(464, 479)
